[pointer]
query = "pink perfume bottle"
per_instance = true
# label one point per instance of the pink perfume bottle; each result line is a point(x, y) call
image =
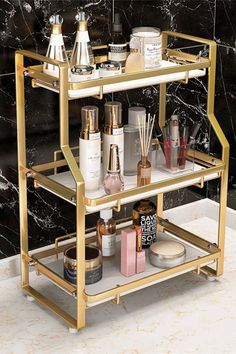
point(113, 181)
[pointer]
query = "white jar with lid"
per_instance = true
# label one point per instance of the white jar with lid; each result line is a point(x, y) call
point(150, 44)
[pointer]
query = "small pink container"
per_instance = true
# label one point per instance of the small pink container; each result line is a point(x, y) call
point(128, 252)
point(140, 261)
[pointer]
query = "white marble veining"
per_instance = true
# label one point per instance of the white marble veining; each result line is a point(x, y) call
point(187, 314)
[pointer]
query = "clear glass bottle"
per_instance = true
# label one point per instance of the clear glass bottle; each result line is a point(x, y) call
point(135, 60)
point(144, 215)
point(106, 233)
point(56, 49)
point(117, 48)
point(113, 181)
point(144, 170)
point(82, 51)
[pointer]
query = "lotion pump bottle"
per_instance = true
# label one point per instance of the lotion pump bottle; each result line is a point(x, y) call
point(90, 148)
point(113, 133)
point(82, 51)
point(56, 49)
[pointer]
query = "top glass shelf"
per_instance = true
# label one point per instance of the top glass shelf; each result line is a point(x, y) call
point(168, 71)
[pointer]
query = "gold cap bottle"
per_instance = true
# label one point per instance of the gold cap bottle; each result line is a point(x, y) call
point(114, 161)
point(89, 121)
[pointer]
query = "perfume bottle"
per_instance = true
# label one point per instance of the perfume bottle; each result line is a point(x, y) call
point(82, 51)
point(144, 215)
point(113, 133)
point(117, 48)
point(135, 60)
point(56, 49)
point(113, 181)
point(106, 233)
point(90, 148)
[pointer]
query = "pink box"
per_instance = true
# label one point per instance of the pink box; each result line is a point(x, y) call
point(140, 261)
point(128, 252)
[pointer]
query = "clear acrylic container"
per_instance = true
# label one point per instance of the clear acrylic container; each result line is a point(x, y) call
point(174, 159)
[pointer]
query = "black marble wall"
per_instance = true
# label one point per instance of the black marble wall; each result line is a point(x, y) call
point(24, 24)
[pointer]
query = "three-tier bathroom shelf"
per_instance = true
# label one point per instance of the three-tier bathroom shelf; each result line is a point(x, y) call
point(202, 255)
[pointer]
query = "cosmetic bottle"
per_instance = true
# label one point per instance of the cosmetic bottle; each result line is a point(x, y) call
point(56, 49)
point(132, 140)
point(82, 51)
point(117, 48)
point(128, 252)
point(135, 60)
point(113, 133)
point(144, 215)
point(193, 133)
point(140, 253)
point(113, 181)
point(106, 233)
point(90, 148)
point(175, 142)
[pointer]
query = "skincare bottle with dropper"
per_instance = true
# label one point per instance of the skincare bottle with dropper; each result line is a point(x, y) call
point(56, 49)
point(106, 233)
point(113, 133)
point(90, 148)
point(117, 48)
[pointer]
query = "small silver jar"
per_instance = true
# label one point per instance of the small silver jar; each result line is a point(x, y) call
point(167, 254)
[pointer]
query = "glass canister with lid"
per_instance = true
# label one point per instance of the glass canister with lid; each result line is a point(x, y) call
point(150, 44)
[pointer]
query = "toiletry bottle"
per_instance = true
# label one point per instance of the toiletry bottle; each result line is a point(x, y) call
point(132, 140)
point(82, 51)
point(117, 48)
point(106, 233)
point(113, 133)
point(144, 215)
point(135, 60)
point(90, 148)
point(113, 181)
point(56, 49)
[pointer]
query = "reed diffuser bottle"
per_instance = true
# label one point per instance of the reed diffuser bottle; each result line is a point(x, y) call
point(56, 49)
point(144, 167)
point(82, 51)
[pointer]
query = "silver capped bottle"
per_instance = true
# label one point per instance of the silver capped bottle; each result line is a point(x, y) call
point(82, 51)
point(56, 49)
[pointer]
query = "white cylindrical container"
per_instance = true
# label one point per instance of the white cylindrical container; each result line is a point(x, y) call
point(90, 148)
point(113, 133)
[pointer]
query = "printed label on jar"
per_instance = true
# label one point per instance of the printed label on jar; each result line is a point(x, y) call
point(149, 228)
point(152, 52)
point(108, 245)
point(94, 136)
point(117, 52)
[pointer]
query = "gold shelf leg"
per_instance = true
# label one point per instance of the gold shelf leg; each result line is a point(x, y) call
point(162, 119)
point(21, 147)
point(225, 157)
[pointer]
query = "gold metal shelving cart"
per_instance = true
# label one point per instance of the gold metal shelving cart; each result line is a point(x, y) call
point(176, 66)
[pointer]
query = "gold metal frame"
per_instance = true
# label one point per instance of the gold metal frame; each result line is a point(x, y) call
point(77, 197)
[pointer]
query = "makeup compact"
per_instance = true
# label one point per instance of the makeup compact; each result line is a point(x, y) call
point(93, 264)
point(109, 68)
point(82, 73)
point(167, 254)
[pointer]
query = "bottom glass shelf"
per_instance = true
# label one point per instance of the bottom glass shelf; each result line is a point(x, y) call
point(111, 270)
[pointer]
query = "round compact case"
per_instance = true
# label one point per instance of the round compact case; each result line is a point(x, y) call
point(109, 68)
point(93, 264)
point(167, 254)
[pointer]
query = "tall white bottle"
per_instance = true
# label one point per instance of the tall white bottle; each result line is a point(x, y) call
point(56, 49)
point(82, 51)
point(90, 148)
point(113, 133)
